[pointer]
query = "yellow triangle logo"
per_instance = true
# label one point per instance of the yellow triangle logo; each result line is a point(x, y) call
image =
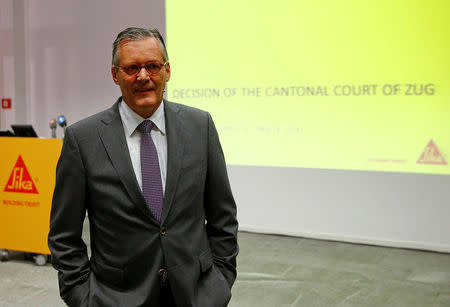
point(20, 180)
point(431, 155)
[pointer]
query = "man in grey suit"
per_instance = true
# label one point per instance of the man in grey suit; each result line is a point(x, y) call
point(151, 175)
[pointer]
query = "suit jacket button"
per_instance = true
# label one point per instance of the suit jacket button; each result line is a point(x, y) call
point(163, 230)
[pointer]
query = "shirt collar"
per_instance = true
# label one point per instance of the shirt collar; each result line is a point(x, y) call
point(131, 120)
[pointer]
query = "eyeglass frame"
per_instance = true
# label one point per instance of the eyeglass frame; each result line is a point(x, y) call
point(140, 68)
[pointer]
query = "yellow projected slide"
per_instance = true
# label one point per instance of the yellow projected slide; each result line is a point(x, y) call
point(357, 85)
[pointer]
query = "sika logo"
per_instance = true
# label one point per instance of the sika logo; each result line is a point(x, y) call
point(432, 155)
point(20, 180)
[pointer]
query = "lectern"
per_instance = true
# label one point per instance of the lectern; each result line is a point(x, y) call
point(27, 180)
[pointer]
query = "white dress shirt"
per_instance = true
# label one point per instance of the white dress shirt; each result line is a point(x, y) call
point(130, 122)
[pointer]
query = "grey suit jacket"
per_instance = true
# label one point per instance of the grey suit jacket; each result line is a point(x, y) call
point(196, 239)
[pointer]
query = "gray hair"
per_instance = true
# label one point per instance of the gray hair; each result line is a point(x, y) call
point(133, 33)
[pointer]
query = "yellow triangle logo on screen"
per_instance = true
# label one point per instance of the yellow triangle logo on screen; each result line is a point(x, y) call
point(432, 155)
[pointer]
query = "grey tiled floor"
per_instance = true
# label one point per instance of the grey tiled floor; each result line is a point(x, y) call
point(286, 271)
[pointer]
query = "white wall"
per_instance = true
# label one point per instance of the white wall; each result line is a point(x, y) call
point(390, 209)
point(55, 59)
point(7, 84)
point(62, 55)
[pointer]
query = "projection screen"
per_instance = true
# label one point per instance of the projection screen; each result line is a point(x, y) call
point(344, 85)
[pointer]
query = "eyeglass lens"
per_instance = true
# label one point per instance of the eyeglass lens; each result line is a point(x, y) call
point(151, 68)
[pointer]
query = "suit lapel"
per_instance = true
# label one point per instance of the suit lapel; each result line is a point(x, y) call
point(175, 146)
point(113, 138)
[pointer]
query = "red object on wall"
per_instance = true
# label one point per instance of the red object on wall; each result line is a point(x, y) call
point(6, 103)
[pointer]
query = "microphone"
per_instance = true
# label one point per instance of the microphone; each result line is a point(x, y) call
point(53, 126)
point(62, 122)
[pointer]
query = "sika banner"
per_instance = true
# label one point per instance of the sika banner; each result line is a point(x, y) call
point(27, 180)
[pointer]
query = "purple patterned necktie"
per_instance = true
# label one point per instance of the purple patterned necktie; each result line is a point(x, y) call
point(151, 174)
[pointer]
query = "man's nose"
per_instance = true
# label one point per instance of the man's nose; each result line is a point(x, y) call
point(143, 74)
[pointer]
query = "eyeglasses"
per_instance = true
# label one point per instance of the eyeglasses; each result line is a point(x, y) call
point(152, 68)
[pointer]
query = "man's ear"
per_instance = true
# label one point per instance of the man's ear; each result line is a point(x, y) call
point(167, 71)
point(114, 75)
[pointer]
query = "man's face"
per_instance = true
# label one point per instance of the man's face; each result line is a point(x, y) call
point(142, 92)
